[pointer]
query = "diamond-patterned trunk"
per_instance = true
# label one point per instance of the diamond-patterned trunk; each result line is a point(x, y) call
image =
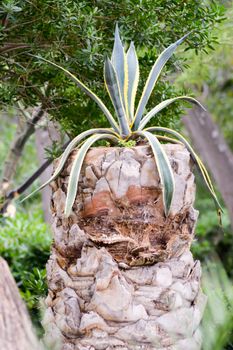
point(121, 275)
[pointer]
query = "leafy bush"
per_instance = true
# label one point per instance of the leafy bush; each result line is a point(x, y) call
point(25, 244)
point(217, 325)
point(210, 237)
point(78, 34)
point(215, 71)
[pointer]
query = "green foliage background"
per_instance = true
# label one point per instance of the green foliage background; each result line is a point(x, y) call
point(25, 240)
point(25, 244)
point(78, 35)
point(214, 69)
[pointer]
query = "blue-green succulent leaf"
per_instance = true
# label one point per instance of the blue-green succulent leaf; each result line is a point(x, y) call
point(133, 78)
point(164, 169)
point(163, 105)
point(195, 158)
point(112, 86)
point(66, 153)
point(119, 63)
point(76, 168)
point(153, 77)
point(90, 93)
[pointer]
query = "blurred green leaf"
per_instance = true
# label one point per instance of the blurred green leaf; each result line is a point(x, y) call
point(217, 325)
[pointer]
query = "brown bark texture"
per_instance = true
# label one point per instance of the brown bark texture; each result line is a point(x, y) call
point(16, 332)
point(121, 275)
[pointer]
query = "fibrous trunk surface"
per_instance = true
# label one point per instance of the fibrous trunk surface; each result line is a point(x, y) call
point(120, 274)
point(16, 331)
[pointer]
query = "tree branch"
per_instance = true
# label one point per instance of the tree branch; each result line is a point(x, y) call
point(17, 147)
point(214, 151)
point(22, 188)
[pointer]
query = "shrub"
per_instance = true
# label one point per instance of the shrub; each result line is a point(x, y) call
point(25, 244)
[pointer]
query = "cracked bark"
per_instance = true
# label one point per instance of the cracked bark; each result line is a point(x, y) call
point(121, 275)
point(16, 332)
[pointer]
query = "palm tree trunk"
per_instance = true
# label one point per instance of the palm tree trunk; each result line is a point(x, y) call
point(16, 331)
point(121, 275)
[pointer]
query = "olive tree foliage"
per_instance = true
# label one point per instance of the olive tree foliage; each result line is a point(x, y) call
point(78, 35)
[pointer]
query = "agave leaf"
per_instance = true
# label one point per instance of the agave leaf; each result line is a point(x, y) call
point(196, 159)
point(112, 86)
point(206, 172)
point(133, 77)
point(152, 78)
point(119, 63)
point(164, 169)
point(66, 154)
point(168, 139)
point(90, 93)
point(76, 168)
point(163, 105)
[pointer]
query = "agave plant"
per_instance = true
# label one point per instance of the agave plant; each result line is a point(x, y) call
point(121, 75)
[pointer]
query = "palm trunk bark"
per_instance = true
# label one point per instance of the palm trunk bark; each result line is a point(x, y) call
point(16, 331)
point(121, 275)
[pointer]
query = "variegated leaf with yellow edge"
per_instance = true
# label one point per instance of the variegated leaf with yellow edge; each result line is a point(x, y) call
point(76, 168)
point(76, 141)
point(120, 65)
point(165, 104)
point(90, 93)
point(196, 160)
point(164, 169)
point(133, 77)
point(113, 88)
point(152, 78)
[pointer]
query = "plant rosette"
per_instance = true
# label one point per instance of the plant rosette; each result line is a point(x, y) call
point(121, 76)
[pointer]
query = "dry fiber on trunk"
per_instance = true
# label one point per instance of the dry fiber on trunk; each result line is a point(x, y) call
point(16, 331)
point(121, 275)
